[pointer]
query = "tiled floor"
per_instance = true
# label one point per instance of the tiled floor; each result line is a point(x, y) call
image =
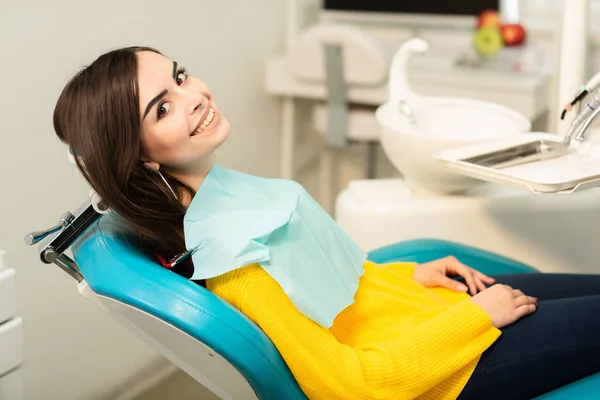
point(178, 386)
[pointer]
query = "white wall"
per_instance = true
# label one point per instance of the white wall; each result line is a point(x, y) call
point(72, 350)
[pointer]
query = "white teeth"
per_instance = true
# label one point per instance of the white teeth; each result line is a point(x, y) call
point(209, 118)
point(207, 121)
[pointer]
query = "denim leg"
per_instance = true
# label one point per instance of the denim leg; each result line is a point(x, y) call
point(553, 286)
point(557, 345)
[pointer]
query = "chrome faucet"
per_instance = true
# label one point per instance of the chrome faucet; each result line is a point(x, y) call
point(582, 121)
point(405, 109)
point(586, 123)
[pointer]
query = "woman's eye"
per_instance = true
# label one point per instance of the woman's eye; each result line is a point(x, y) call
point(163, 109)
point(181, 77)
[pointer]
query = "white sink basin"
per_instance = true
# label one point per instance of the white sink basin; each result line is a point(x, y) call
point(439, 123)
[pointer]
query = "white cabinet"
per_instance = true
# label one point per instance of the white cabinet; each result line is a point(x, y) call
point(11, 337)
point(8, 294)
point(11, 345)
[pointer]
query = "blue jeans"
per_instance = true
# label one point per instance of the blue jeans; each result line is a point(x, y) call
point(556, 345)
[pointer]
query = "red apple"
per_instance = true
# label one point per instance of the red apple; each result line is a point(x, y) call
point(489, 19)
point(513, 34)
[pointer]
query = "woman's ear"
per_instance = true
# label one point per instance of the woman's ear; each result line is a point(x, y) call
point(151, 165)
point(73, 156)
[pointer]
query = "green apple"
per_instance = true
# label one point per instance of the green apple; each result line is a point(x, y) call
point(488, 41)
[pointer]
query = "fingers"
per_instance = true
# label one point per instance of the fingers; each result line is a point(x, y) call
point(480, 284)
point(526, 309)
point(484, 278)
point(470, 280)
point(524, 300)
point(458, 268)
point(525, 305)
point(475, 279)
point(451, 284)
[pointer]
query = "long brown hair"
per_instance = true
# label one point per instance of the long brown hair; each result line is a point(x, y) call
point(98, 116)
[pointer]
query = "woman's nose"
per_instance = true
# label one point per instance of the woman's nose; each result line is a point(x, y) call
point(196, 108)
point(195, 101)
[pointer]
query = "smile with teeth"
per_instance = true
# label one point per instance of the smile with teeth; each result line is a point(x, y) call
point(206, 122)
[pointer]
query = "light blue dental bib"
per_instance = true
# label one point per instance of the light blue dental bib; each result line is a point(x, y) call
point(237, 219)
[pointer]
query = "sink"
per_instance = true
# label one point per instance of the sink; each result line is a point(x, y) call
point(414, 128)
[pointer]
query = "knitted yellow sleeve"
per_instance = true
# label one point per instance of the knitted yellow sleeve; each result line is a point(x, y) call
point(403, 268)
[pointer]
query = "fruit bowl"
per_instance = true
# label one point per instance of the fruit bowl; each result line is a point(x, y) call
point(492, 34)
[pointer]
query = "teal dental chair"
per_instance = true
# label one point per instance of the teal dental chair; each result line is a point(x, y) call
point(206, 337)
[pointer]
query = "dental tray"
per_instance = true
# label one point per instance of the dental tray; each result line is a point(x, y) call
point(538, 162)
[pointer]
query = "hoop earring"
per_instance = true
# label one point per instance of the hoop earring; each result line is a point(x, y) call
point(166, 183)
point(156, 168)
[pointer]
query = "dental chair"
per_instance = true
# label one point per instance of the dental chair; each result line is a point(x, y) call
point(203, 335)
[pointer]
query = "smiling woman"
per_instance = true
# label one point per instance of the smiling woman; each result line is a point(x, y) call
point(144, 133)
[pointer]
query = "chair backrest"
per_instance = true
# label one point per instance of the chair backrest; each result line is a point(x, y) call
point(364, 60)
point(115, 268)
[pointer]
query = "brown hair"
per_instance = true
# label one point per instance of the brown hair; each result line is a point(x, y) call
point(98, 116)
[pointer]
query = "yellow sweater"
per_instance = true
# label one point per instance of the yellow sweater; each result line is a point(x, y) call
point(399, 340)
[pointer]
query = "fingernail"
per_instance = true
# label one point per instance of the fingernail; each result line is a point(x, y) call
point(462, 287)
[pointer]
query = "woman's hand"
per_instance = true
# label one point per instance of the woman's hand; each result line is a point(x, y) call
point(504, 304)
point(436, 273)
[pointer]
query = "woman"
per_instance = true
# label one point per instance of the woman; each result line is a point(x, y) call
point(145, 134)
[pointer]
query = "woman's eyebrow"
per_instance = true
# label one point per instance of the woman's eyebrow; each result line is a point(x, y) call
point(154, 101)
point(174, 69)
point(161, 94)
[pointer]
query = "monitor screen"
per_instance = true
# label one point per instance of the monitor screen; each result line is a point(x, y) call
point(431, 7)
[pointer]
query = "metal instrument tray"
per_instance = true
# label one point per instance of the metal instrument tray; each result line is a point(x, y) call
point(538, 162)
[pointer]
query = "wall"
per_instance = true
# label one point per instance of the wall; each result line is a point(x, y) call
point(72, 350)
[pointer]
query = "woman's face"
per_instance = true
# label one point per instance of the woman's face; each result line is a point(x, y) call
point(181, 124)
